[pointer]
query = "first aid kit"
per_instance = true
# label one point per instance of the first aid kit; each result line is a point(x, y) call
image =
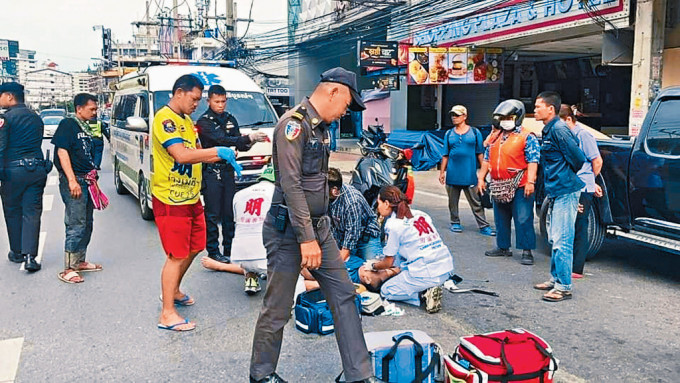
point(405, 356)
point(516, 355)
point(313, 315)
point(371, 303)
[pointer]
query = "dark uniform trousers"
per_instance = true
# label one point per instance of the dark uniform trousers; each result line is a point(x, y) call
point(22, 195)
point(283, 268)
point(219, 187)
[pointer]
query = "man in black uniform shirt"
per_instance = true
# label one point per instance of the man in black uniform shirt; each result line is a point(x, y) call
point(297, 231)
point(23, 172)
point(219, 128)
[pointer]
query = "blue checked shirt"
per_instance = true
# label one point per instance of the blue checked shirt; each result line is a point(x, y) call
point(351, 218)
point(532, 150)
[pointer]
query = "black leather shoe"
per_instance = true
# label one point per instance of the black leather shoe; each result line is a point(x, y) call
point(220, 258)
point(498, 253)
point(31, 264)
point(271, 378)
point(527, 258)
point(16, 258)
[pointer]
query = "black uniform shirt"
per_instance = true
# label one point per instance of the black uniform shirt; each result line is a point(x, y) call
point(300, 154)
point(78, 143)
point(221, 130)
point(21, 134)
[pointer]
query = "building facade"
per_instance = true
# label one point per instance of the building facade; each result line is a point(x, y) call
point(48, 87)
point(85, 82)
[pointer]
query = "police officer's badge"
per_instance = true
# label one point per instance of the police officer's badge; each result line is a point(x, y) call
point(169, 126)
point(293, 130)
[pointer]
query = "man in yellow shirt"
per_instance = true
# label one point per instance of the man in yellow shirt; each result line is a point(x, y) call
point(176, 186)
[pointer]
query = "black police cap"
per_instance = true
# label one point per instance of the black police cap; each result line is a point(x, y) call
point(12, 87)
point(345, 77)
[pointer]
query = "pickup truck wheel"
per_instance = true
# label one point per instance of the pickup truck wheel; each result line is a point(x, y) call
point(120, 188)
point(596, 231)
point(144, 209)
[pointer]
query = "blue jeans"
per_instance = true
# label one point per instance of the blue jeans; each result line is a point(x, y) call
point(562, 228)
point(363, 251)
point(333, 133)
point(520, 210)
point(78, 217)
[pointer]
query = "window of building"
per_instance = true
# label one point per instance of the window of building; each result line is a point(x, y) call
point(664, 133)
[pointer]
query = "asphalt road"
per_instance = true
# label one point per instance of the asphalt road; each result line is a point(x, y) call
point(621, 326)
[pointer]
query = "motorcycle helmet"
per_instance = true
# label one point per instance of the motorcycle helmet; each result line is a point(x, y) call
point(509, 108)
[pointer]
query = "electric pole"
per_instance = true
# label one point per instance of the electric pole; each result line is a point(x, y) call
point(231, 30)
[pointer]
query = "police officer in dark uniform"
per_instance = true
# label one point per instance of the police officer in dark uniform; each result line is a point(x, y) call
point(297, 231)
point(219, 128)
point(23, 172)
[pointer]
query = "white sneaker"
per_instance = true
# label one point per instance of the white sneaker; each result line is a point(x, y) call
point(433, 299)
point(252, 286)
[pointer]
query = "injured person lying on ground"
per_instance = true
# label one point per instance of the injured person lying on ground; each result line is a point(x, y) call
point(415, 261)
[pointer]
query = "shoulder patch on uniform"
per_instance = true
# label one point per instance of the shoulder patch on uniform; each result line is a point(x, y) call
point(2, 121)
point(169, 126)
point(293, 130)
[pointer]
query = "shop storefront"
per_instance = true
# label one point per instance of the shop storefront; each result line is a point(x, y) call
point(516, 51)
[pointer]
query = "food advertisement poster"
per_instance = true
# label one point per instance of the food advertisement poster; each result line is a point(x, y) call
point(457, 65)
point(418, 65)
point(454, 65)
point(403, 54)
point(378, 54)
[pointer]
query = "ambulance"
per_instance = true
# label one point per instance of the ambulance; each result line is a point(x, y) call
point(139, 95)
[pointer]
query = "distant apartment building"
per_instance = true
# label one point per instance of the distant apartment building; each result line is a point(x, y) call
point(48, 87)
point(85, 82)
point(26, 62)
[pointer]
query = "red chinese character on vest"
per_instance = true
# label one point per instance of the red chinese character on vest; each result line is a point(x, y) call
point(422, 226)
point(254, 206)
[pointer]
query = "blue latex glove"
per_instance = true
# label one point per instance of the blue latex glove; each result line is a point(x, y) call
point(229, 155)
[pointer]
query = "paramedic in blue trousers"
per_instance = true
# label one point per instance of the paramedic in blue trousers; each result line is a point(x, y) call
point(297, 231)
point(23, 175)
point(216, 127)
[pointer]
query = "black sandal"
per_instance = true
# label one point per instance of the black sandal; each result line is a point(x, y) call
point(560, 295)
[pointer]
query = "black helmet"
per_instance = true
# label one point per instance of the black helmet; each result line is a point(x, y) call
point(509, 108)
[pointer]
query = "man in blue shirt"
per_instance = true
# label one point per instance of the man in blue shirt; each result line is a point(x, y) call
point(591, 168)
point(463, 148)
point(561, 159)
point(354, 224)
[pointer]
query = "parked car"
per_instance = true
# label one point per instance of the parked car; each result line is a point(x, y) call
point(640, 179)
point(51, 123)
point(52, 112)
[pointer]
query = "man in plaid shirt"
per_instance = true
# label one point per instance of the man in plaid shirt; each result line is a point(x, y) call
point(354, 224)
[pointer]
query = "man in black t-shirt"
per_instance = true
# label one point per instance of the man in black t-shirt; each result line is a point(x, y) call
point(74, 158)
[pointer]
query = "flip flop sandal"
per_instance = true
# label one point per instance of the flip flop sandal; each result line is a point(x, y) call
point(68, 277)
point(186, 301)
point(89, 267)
point(172, 327)
point(560, 295)
point(545, 286)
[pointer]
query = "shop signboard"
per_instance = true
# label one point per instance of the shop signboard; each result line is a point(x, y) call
point(383, 54)
point(386, 82)
point(454, 65)
point(278, 92)
point(4, 50)
point(520, 19)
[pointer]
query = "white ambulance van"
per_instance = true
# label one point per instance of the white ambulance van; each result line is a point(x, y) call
point(140, 94)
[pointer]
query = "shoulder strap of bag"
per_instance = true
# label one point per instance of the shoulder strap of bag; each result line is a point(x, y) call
point(434, 364)
point(545, 352)
point(393, 351)
point(504, 358)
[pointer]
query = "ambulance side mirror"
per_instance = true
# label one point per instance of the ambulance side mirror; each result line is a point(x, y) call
point(136, 124)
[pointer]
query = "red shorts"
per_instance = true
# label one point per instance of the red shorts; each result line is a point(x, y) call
point(181, 227)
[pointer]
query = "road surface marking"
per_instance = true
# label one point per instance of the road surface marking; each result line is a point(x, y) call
point(41, 248)
point(10, 352)
point(462, 199)
point(52, 180)
point(48, 201)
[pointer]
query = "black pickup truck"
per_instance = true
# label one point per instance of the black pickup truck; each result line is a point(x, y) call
point(640, 179)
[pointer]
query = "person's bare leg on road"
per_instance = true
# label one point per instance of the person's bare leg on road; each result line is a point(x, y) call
point(171, 275)
point(212, 264)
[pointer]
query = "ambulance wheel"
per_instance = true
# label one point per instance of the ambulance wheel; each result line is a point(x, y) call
point(144, 209)
point(120, 188)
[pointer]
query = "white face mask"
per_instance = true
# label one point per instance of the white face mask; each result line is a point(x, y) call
point(507, 124)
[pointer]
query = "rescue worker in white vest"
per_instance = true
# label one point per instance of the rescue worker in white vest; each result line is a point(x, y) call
point(414, 246)
point(297, 232)
point(216, 127)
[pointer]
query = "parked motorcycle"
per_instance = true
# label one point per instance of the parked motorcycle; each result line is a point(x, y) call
point(382, 164)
